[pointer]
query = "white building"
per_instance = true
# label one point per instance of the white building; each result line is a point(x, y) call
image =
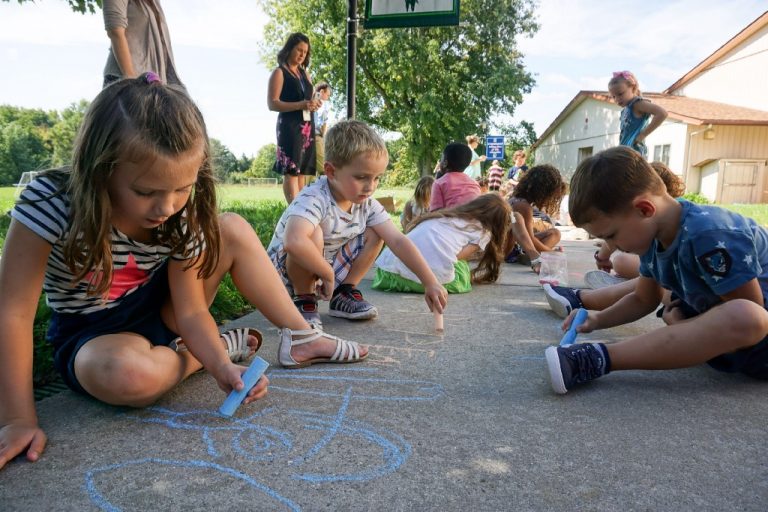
point(716, 134)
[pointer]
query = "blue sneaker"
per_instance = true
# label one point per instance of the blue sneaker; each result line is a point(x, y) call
point(576, 364)
point(562, 300)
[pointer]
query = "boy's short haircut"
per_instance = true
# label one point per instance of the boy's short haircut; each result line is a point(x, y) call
point(349, 138)
point(608, 182)
point(457, 156)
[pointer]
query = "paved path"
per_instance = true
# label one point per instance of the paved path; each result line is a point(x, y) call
point(464, 421)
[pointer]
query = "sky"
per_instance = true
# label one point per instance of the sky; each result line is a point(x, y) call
point(51, 57)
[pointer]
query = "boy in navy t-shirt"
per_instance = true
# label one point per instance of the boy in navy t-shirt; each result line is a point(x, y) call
point(716, 261)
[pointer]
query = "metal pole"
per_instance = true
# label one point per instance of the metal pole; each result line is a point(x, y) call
point(351, 56)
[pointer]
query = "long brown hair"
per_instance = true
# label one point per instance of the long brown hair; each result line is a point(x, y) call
point(543, 186)
point(423, 192)
point(493, 214)
point(132, 120)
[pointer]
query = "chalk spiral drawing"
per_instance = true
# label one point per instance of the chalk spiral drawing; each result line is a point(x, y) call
point(253, 439)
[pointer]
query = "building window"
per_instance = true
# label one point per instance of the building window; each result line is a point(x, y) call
point(584, 153)
point(661, 154)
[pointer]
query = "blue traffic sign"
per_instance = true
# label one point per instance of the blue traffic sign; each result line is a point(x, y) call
point(494, 147)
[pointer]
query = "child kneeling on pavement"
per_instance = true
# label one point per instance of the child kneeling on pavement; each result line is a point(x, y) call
point(330, 235)
point(714, 260)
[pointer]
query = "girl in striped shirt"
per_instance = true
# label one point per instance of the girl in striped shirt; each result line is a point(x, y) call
point(129, 248)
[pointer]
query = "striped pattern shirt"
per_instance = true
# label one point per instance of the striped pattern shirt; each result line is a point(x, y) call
point(134, 263)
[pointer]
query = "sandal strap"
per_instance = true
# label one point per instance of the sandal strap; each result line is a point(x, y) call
point(236, 341)
point(345, 350)
point(310, 335)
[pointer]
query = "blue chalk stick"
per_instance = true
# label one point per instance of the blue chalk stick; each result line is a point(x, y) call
point(250, 377)
point(570, 334)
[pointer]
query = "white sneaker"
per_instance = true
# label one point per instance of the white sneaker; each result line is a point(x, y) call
point(596, 279)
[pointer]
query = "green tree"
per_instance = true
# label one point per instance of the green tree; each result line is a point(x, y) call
point(21, 149)
point(81, 6)
point(224, 161)
point(431, 84)
point(64, 132)
point(262, 164)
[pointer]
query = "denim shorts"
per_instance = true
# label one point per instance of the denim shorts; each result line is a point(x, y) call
point(751, 361)
point(137, 313)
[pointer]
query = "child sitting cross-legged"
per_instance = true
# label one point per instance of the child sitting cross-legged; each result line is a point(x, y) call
point(448, 238)
point(607, 288)
point(714, 260)
point(329, 236)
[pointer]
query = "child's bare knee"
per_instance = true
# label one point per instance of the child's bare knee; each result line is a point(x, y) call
point(232, 225)
point(747, 320)
point(132, 382)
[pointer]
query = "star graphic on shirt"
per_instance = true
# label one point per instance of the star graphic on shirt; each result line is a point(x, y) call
point(748, 259)
point(720, 244)
point(716, 278)
point(650, 266)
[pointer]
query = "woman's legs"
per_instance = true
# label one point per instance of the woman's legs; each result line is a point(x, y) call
point(292, 185)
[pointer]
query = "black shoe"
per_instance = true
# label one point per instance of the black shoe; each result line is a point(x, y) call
point(576, 364)
point(562, 300)
point(350, 304)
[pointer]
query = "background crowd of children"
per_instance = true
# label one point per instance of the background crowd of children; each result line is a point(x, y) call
point(131, 272)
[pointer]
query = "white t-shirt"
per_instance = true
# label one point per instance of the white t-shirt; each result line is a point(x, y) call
point(316, 204)
point(439, 241)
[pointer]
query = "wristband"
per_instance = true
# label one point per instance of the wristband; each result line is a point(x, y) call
point(601, 260)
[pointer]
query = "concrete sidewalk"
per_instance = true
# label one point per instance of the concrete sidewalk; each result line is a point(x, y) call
point(464, 421)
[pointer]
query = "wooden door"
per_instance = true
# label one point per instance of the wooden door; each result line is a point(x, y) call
point(738, 183)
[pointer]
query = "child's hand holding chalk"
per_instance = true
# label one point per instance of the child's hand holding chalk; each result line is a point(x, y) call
point(250, 377)
point(570, 335)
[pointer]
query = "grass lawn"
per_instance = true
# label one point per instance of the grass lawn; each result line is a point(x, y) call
point(243, 194)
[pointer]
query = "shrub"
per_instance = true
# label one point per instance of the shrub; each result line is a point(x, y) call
point(695, 197)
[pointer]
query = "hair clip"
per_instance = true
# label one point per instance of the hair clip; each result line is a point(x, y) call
point(626, 75)
point(151, 77)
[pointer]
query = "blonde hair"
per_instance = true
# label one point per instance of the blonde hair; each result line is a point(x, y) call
point(132, 120)
point(350, 138)
point(493, 213)
point(473, 138)
point(423, 192)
